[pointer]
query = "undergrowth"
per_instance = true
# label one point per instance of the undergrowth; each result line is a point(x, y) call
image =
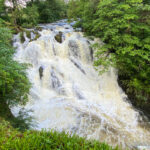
point(13, 139)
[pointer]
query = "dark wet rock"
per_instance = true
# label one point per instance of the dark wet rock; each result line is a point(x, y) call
point(91, 53)
point(73, 49)
point(88, 42)
point(78, 66)
point(58, 37)
point(79, 94)
point(22, 38)
point(41, 72)
point(56, 83)
point(54, 51)
point(91, 50)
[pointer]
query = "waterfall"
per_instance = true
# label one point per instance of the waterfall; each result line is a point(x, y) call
point(68, 94)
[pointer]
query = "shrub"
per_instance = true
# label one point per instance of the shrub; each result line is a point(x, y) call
point(14, 84)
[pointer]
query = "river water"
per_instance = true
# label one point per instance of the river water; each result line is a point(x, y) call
point(68, 94)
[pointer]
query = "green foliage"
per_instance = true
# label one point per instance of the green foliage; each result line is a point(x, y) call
point(3, 13)
point(14, 84)
point(29, 16)
point(146, 1)
point(124, 27)
point(51, 140)
point(2, 7)
point(74, 9)
point(22, 122)
point(35, 12)
point(84, 10)
point(25, 17)
point(50, 10)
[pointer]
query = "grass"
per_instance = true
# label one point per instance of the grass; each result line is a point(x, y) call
point(13, 139)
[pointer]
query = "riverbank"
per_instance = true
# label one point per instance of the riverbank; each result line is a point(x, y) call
point(11, 138)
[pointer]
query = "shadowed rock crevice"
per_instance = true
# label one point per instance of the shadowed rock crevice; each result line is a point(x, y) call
point(73, 49)
point(56, 83)
point(41, 72)
point(78, 93)
point(78, 66)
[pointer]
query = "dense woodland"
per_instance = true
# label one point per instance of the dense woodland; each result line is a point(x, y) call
point(123, 26)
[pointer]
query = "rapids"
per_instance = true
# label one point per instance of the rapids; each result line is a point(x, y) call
point(68, 94)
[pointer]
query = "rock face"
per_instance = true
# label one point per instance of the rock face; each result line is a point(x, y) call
point(58, 37)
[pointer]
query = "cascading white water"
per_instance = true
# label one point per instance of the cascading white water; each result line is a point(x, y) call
point(68, 94)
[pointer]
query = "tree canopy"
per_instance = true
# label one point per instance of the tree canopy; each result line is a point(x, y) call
point(124, 27)
point(14, 84)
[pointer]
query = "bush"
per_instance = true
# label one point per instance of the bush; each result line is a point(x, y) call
point(14, 84)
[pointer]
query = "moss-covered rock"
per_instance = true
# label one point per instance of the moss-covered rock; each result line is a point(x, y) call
point(38, 28)
point(58, 37)
point(28, 34)
point(22, 38)
point(37, 35)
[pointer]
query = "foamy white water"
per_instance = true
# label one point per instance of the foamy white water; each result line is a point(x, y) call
point(70, 95)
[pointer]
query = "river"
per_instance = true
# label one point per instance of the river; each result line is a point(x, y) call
point(68, 94)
